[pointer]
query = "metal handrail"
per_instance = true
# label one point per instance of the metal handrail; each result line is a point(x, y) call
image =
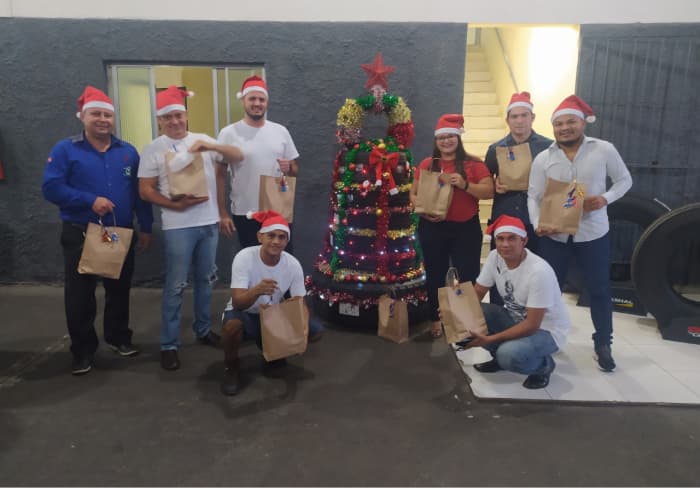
point(506, 59)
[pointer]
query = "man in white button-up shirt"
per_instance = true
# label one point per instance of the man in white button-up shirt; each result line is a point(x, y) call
point(589, 161)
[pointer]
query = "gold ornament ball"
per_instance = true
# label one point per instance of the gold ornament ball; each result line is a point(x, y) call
point(379, 211)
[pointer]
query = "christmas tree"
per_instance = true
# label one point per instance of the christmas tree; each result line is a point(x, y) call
point(370, 248)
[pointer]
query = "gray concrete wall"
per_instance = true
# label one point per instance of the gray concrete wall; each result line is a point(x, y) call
point(311, 69)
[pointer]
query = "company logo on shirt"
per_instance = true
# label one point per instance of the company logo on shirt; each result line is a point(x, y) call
point(127, 171)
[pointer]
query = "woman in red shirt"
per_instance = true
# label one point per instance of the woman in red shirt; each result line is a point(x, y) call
point(458, 236)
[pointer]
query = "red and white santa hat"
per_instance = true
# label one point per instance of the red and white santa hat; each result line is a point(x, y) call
point(506, 223)
point(93, 98)
point(171, 99)
point(573, 105)
point(450, 124)
point(270, 220)
point(521, 99)
point(252, 83)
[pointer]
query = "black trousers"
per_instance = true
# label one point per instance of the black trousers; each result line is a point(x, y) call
point(79, 297)
point(445, 242)
point(247, 230)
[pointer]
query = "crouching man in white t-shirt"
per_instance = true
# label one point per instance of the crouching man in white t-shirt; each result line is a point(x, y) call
point(533, 322)
point(260, 275)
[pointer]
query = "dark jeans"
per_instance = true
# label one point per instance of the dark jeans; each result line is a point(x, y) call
point(442, 242)
point(533, 244)
point(594, 260)
point(247, 230)
point(80, 302)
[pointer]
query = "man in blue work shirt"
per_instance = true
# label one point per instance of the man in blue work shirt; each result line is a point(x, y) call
point(89, 176)
point(519, 117)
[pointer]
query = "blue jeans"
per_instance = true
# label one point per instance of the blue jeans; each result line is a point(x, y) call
point(195, 246)
point(251, 324)
point(526, 355)
point(594, 260)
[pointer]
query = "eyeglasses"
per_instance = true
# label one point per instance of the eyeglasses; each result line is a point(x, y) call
point(445, 138)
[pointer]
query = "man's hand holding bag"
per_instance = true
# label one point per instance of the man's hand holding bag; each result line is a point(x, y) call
point(514, 163)
point(561, 207)
point(105, 249)
point(461, 312)
point(186, 174)
point(285, 328)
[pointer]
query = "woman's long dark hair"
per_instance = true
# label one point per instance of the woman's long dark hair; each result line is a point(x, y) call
point(461, 156)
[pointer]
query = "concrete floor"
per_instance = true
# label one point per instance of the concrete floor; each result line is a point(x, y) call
point(354, 410)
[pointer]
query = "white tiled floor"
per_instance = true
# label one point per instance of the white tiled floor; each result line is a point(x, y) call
point(649, 369)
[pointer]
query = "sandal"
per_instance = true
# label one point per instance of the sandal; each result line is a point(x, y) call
point(436, 330)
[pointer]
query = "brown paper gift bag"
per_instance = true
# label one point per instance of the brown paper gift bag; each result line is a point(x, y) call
point(434, 195)
point(514, 164)
point(191, 180)
point(285, 328)
point(277, 193)
point(562, 206)
point(393, 319)
point(103, 254)
point(461, 312)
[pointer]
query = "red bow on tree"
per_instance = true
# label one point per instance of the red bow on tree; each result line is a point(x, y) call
point(384, 162)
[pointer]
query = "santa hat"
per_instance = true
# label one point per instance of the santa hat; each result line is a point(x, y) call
point(252, 83)
point(269, 220)
point(521, 99)
point(93, 98)
point(573, 105)
point(171, 99)
point(506, 223)
point(450, 124)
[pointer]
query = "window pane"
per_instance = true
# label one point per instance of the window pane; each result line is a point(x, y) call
point(134, 107)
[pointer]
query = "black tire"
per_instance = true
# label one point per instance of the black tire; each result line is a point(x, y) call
point(632, 207)
point(652, 262)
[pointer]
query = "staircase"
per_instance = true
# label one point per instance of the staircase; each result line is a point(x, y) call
point(483, 117)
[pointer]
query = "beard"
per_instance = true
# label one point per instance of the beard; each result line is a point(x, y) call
point(570, 143)
point(255, 116)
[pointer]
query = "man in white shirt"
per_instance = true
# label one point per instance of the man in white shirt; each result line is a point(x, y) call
point(260, 275)
point(533, 322)
point(190, 222)
point(575, 157)
point(269, 150)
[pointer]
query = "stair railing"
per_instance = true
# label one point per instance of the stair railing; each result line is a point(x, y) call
point(506, 59)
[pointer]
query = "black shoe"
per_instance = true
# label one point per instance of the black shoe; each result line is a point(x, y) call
point(124, 350)
point(169, 360)
point(488, 367)
point(81, 365)
point(231, 384)
point(211, 339)
point(536, 381)
point(604, 357)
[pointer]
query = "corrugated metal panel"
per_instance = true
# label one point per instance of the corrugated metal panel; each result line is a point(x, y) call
point(642, 81)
